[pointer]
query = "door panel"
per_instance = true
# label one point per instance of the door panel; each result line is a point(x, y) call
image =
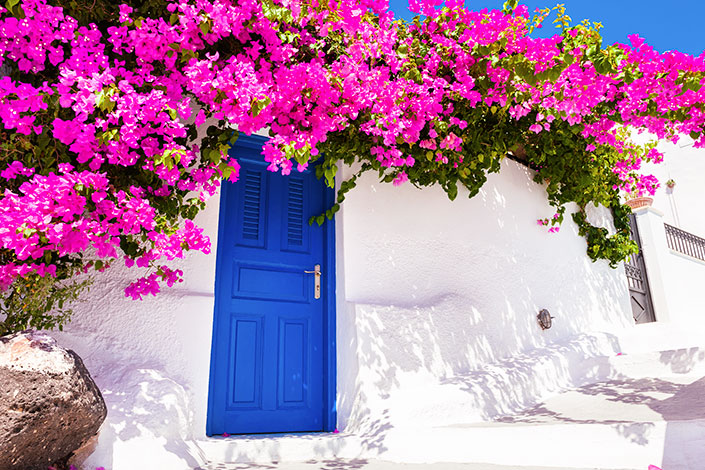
point(245, 362)
point(267, 365)
point(639, 292)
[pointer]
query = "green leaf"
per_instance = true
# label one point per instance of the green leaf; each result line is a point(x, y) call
point(692, 86)
point(603, 65)
point(452, 191)
point(526, 73)
point(482, 50)
point(258, 105)
point(330, 175)
point(403, 51)
point(554, 73)
point(213, 155)
point(43, 140)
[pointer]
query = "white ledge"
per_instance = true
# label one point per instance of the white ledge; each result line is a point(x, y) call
point(647, 210)
point(688, 257)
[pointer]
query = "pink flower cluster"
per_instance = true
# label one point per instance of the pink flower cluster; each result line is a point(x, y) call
point(126, 97)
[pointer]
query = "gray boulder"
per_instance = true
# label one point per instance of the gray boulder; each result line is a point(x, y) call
point(49, 405)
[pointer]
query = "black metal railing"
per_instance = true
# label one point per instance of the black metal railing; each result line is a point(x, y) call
point(684, 242)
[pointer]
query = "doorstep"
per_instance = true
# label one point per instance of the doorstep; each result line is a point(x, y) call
point(294, 447)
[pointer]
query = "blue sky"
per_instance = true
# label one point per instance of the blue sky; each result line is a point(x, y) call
point(666, 24)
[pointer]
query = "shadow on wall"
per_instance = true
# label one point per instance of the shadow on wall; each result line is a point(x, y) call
point(443, 296)
point(396, 389)
point(474, 273)
point(150, 360)
point(424, 367)
point(148, 421)
point(139, 357)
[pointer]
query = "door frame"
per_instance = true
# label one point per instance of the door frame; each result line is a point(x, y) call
point(255, 142)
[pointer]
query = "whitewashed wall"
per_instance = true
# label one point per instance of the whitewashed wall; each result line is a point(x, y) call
point(442, 298)
point(437, 304)
point(686, 280)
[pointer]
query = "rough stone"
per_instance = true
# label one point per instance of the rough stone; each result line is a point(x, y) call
point(49, 404)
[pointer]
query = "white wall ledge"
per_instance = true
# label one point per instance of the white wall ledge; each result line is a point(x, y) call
point(688, 257)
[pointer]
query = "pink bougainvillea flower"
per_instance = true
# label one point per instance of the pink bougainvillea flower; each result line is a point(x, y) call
point(121, 100)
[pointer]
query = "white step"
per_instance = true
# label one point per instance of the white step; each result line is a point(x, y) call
point(629, 423)
point(632, 445)
point(373, 464)
point(281, 447)
point(672, 363)
point(661, 336)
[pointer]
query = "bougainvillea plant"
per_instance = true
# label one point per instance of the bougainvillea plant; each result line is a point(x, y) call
point(101, 107)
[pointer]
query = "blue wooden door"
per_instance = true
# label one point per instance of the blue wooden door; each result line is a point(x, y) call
point(268, 358)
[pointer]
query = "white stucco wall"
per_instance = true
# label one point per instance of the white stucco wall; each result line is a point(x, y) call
point(443, 298)
point(685, 289)
point(436, 320)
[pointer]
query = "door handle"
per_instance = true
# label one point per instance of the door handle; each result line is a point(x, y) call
point(317, 289)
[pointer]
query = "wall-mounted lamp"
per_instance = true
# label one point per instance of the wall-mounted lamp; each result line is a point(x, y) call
point(545, 319)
